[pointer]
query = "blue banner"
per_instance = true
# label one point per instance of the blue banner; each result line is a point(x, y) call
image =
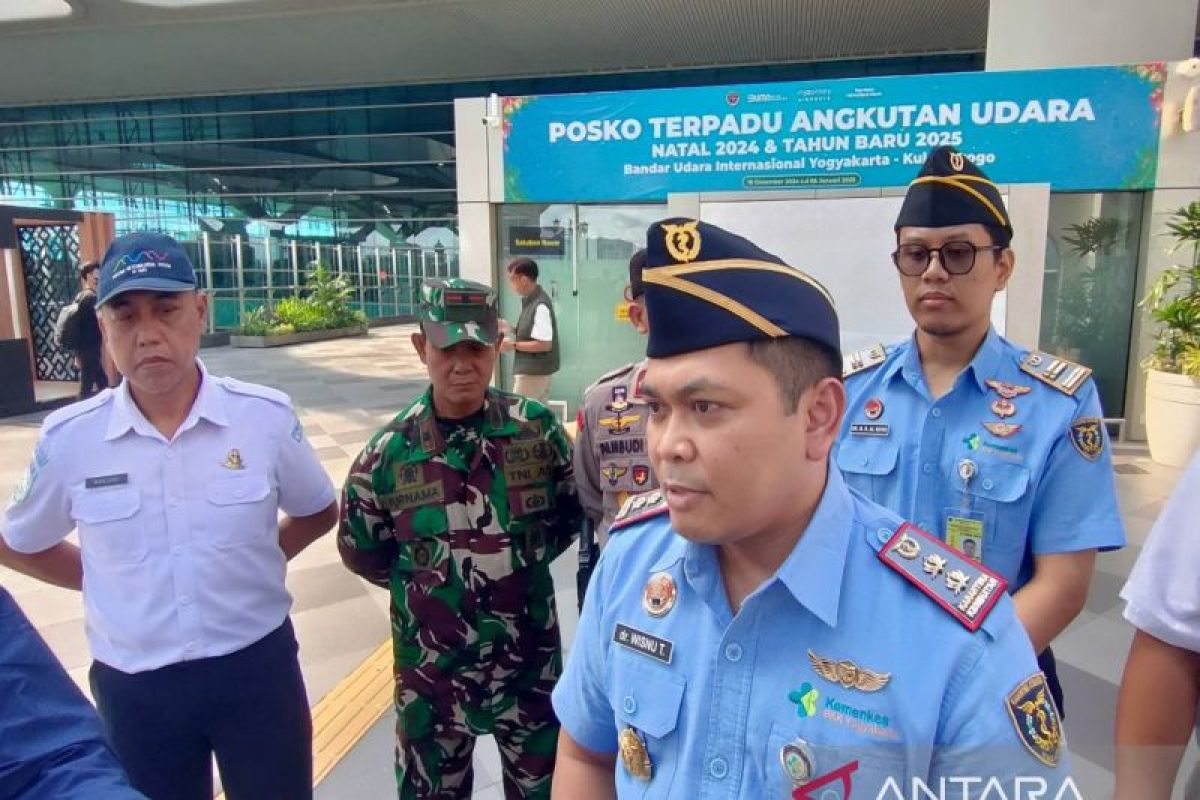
point(1086, 129)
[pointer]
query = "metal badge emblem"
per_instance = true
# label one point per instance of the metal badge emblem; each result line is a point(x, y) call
point(933, 565)
point(682, 241)
point(1007, 390)
point(873, 408)
point(907, 547)
point(1003, 408)
point(233, 460)
point(847, 674)
point(796, 758)
point(658, 598)
point(634, 755)
point(1001, 429)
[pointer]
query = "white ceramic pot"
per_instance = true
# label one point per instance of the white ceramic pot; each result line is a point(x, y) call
point(1172, 417)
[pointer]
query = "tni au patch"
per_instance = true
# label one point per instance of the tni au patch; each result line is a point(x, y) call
point(1087, 435)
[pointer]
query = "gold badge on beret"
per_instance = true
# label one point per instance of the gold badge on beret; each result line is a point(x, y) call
point(682, 241)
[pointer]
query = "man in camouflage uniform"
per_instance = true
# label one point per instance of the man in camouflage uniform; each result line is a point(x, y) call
point(458, 506)
point(611, 460)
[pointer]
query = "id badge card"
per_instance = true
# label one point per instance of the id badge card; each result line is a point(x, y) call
point(964, 531)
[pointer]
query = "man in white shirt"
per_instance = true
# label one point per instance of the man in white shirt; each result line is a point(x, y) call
point(174, 481)
point(534, 343)
point(1156, 709)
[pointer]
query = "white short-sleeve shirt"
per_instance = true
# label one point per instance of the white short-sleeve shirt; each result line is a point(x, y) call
point(180, 538)
point(1162, 596)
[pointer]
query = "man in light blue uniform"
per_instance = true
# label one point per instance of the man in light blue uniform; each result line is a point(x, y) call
point(999, 451)
point(777, 635)
point(50, 740)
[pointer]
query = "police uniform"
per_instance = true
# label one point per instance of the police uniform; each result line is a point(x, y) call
point(998, 464)
point(460, 520)
point(186, 610)
point(874, 657)
point(51, 745)
point(611, 459)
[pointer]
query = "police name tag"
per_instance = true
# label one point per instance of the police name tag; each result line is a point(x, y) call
point(869, 429)
point(102, 481)
point(641, 642)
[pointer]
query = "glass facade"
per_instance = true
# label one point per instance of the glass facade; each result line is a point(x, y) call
point(361, 180)
point(1092, 245)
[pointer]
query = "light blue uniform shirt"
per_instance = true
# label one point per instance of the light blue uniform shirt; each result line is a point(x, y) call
point(1033, 490)
point(739, 687)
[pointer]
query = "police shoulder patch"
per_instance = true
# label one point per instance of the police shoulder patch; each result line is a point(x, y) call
point(1087, 436)
point(611, 376)
point(639, 507)
point(964, 588)
point(1033, 714)
point(1065, 376)
point(862, 360)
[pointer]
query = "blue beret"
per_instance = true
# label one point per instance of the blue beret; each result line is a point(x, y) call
point(706, 287)
point(951, 190)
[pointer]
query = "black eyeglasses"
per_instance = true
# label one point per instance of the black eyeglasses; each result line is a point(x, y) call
point(958, 258)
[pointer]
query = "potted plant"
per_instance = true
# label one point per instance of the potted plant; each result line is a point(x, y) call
point(1173, 367)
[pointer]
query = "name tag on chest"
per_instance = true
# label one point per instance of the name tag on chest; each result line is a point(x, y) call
point(102, 481)
point(645, 643)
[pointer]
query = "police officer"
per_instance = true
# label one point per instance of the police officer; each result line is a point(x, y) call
point(611, 461)
point(50, 739)
point(756, 629)
point(174, 481)
point(458, 507)
point(971, 436)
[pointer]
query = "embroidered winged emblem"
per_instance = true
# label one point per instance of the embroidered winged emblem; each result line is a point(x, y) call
point(849, 674)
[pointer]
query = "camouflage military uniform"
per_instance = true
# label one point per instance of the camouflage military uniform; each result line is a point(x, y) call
point(611, 458)
point(460, 519)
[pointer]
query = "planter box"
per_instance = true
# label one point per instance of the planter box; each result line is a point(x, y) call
point(300, 337)
point(1172, 417)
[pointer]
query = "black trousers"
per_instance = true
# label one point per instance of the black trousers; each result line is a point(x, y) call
point(1049, 668)
point(248, 708)
point(92, 379)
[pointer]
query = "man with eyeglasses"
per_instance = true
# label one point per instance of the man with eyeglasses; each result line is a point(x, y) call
point(972, 436)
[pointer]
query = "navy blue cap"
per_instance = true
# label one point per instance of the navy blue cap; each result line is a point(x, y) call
point(951, 190)
point(706, 287)
point(152, 262)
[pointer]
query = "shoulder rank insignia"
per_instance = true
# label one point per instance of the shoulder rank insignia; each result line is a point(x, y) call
point(848, 674)
point(1036, 719)
point(955, 581)
point(639, 507)
point(1087, 435)
point(1066, 376)
point(864, 359)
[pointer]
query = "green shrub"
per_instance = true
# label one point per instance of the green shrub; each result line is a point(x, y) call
point(324, 306)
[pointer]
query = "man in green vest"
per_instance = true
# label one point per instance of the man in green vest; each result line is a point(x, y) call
point(535, 340)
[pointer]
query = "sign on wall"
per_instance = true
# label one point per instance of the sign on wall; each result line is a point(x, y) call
point(1086, 129)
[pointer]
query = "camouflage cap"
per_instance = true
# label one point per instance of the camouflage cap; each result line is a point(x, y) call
point(454, 310)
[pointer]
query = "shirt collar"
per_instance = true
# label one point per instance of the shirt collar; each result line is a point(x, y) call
point(814, 570)
point(497, 421)
point(983, 366)
point(209, 404)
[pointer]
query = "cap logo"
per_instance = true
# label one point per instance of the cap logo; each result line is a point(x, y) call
point(956, 162)
point(683, 241)
point(140, 262)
